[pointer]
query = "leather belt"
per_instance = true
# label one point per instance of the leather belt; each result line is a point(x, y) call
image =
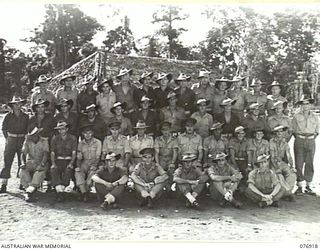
point(306, 137)
point(64, 158)
point(16, 135)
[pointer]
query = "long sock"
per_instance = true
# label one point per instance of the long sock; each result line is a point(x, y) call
point(190, 197)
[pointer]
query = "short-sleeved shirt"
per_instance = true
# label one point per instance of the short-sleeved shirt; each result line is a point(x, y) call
point(263, 181)
point(174, 116)
point(275, 120)
point(239, 96)
point(47, 123)
point(189, 144)
point(110, 176)
point(105, 103)
point(278, 148)
point(72, 94)
point(148, 173)
point(99, 127)
point(260, 98)
point(35, 151)
point(15, 124)
point(308, 123)
point(137, 144)
point(258, 148)
point(47, 95)
point(89, 150)
point(203, 124)
point(124, 97)
point(191, 174)
point(165, 147)
point(213, 146)
point(63, 147)
point(117, 146)
point(72, 120)
point(226, 170)
point(271, 100)
point(240, 147)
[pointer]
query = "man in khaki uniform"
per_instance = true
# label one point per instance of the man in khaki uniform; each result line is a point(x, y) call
point(149, 177)
point(190, 179)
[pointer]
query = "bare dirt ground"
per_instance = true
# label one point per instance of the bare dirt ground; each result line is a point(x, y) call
point(170, 220)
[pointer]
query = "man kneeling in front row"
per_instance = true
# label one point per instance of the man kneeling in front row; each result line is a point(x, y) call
point(149, 177)
point(110, 180)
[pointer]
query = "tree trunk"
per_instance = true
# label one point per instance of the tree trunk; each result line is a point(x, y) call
point(2, 67)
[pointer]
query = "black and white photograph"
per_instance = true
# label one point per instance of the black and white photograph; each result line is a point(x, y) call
point(159, 122)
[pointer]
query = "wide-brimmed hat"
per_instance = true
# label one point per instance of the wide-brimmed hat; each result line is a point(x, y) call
point(16, 99)
point(40, 102)
point(189, 157)
point(238, 78)
point(203, 101)
point(165, 126)
point(204, 73)
point(273, 84)
point(124, 71)
point(123, 105)
point(87, 79)
point(73, 77)
point(147, 151)
point(35, 131)
point(164, 75)
point(62, 124)
point(108, 81)
point(189, 122)
point(239, 129)
point(171, 94)
point(305, 100)
point(223, 79)
point(42, 79)
point(141, 124)
point(111, 156)
point(227, 101)
point(114, 123)
point(216, 125)
point(254, 105)
point(86, 127)
point(258, 129)
point(91, 107)
point(278, 104)
point(146, 99)
point(64, 101)
point(255, 83)
point(218, 156)
point(145, 75)
point(183, 77)
point(262, 158)
point(279, 128)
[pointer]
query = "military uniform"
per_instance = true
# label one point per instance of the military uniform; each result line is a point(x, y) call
point(260, 98)
point(14, 129)
point(206, 93)
point(256, 148)
point(72, 120)
point(279, 160)
point(189, 144)
point(161, 97)
point(271, 100)
point(212, 146)
point(105, 103)
point(284, 120)
point(186, 100)
point(203, 124)
point(118, 146)
point(217, 98)
point(47, 123)
point(122, 97)
point(85, 99)
point(239, 152)
point(34, 171)
point(136, 144)
point(239, 106)
point(151, 120)
point(72, 94)
point(99, 127)
point(250, 124)
point(125, 126)
point(175, 117)
point(88, 156)
point(46, 95)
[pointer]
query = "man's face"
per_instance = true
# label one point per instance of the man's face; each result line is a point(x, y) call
point(306, 107)
point(141, 131)
point(64, 108)
point(259, 135)
point(43, 86)
point(68, 83)
point(189, 129)
point(148, 158)
point(217, 132)
point(35, 138)
point(275, 90)
point(114, 131)
point(172, 101)
point(118, 110)
point(88, 135)
point(90, 86)
point(280, 133)
point(187, 164)
point(164, 82)
point(279, 110)
point(257, 88)
point(40, 109)
point(165, 132)
point(241, 135)
point(111, 163)
point(264, 165)
point(106, 88)
point(255, 111)
point(221, 162)
point(222, 86)
point(145, 105)
point(204, 81)
point(63, 131)
point(91, 114)
point(202, 108)
point(16, 106)
point(227, 108)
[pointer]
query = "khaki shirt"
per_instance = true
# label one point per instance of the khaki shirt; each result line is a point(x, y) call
point(212, 146)
point(35, 151)
point(118, 146)
point(47, 96)
point(89, 150)
point(239, 96)
point(271, 100)
point(201, 92)
point(258, 148)
point(240, 147)
point(226, 170)
point(148, 173)
point(165, 148)
point(216, 101)
point(189, 144)
point(203, 124)
point(263, 181)
point(105, 103)
point(302, 123)
point(73, 95)
point(193, 174)
point(137, 145)
point(175, 117)
point(278, 148)
point(261, 98)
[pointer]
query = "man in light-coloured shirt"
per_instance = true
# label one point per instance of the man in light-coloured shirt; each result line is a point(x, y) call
point(204, 119)
point(305, 126)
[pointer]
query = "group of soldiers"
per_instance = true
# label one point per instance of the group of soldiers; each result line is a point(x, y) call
point(216, 137)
